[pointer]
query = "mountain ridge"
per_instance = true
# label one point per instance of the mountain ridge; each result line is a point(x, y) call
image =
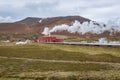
point(34, 26)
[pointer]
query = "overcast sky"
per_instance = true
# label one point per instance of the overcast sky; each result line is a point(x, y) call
point(97, 10)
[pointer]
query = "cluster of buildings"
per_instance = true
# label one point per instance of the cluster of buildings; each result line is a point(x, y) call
point(42, 39)
point(48, 39)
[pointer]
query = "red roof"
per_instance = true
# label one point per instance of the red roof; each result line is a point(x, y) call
point(49, 39)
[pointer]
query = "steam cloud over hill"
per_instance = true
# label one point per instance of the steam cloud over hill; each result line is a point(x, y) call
point(88, 27)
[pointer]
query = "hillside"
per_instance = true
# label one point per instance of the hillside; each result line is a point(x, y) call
point(14, 28)
point(51, 20)
point(71, 26)
point(29, 21)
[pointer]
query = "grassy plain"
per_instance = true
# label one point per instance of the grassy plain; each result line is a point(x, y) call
point(18, 62)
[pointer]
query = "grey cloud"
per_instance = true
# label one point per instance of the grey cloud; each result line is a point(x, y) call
point(94, 9)
point(40, 6)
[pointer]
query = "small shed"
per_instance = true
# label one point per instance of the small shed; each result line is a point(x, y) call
point(48, 39)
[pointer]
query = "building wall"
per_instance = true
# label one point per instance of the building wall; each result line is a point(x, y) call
point(49, 39)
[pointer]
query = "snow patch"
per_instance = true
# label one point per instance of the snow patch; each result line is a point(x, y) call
point(40, 21)
point(102, 40)
point(23, 42)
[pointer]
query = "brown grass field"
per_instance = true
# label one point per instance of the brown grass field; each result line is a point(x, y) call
point(58, 62)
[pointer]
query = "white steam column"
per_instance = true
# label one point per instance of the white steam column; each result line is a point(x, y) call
point(46, 31)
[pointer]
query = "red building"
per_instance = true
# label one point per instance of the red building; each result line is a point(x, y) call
point(48, 39)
